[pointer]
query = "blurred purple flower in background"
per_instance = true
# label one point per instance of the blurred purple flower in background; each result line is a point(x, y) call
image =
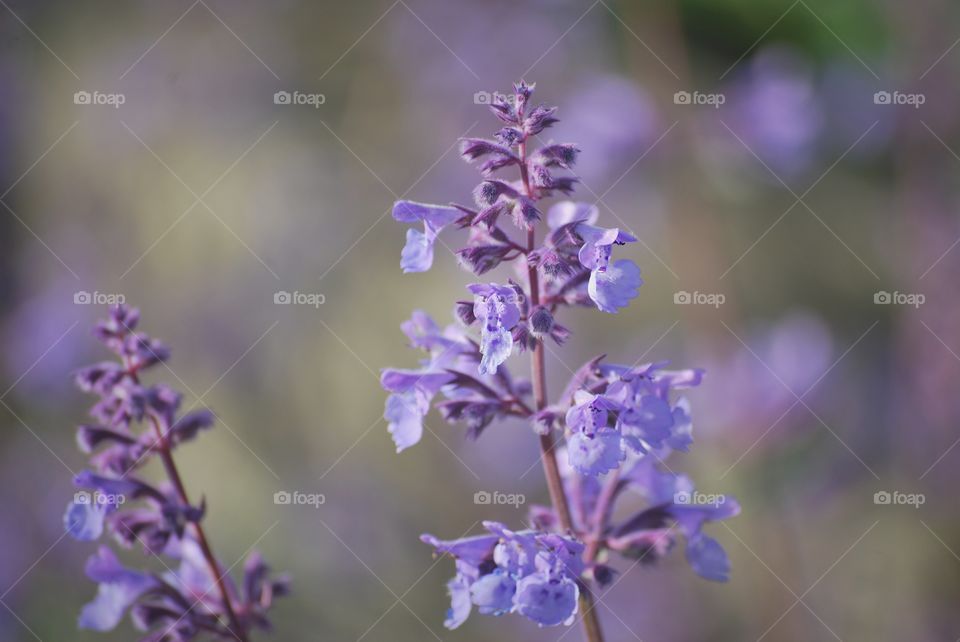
point(774, 106)
point(200, 597)
point(785, 358)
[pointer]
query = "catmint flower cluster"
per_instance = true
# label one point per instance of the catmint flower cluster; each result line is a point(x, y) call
point(133, 423)
point(606, 437)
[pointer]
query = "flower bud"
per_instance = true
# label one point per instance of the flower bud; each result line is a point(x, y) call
point(541, 321)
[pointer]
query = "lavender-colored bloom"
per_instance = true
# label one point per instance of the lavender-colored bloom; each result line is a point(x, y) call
point(406, 408)
point(417, 255)
point(534, 574)
point(118, 589)
point(493, 593)
point(460, 602)
point(159, 518)
point(84, 520)
point(708, 559)
point(598, 453)
point(496, 308)
point(612, 288)
point(548, 601)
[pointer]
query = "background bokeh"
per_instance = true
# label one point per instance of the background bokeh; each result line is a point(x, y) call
point(798, 199)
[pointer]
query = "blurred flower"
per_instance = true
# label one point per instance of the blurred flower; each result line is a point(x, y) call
point(774, 106)
point(160, 519)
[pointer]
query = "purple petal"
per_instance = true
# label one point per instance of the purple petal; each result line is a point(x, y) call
point(614, 288)
point(119, 588)
point(547, 602)
point(84, 521)
point(404, 415)
point(708, 559)
point(460, 606)
point(493, 593)
point(598, 454)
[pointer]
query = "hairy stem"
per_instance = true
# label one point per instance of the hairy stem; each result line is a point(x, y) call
point(591, 624)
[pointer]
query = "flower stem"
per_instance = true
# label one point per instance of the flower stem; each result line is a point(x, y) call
point(236, 627)
point(591, 624)
point(548, 455)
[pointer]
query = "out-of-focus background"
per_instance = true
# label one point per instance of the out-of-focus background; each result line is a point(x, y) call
point(789, 168)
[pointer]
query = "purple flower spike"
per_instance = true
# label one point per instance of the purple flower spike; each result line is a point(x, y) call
point(604, 438)
point(417, 254)
point(136, 422)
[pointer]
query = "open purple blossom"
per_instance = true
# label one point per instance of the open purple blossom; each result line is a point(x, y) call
point(605, 438)
point(417, 255)
point(496, 309)
point(199, 598)
point(450, 369)
point(527, 572)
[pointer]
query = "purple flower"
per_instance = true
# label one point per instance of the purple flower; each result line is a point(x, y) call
point(410, 402)
point(495, 306)
point(546, 600)
point(84, 520)
point(136, 423)
point(617, 423)
point(708, 559)
point(118, 589)
point(534, 574)
point(417, 254)
point(493, 593)
point(568, 212)
point(598, 453)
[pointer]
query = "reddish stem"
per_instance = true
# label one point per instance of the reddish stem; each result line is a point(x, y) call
point(591, 624)
point(236, 627)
